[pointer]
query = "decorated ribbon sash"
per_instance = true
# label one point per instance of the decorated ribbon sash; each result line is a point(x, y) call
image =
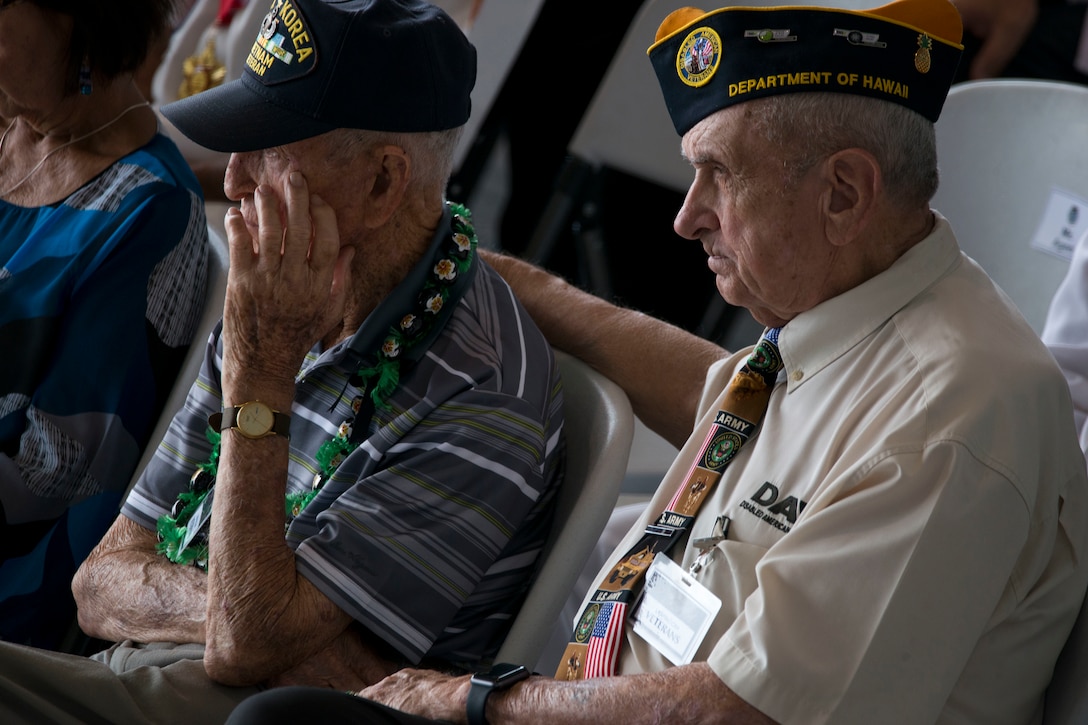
point(593, 649)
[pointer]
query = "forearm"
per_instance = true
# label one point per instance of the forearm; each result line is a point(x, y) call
point(660, 366)
point(263, 617)
point(691, 694)
point(688, 694)
point(286, 290)
point(125, 590)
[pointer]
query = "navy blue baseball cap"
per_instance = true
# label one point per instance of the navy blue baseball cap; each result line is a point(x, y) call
point(319, 65)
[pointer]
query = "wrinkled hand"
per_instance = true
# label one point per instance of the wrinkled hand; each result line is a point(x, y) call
point(426, 693)
point(1002, 26)
point(286, 288)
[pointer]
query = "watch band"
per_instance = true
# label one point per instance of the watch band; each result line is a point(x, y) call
point(499, 677)
point(477, 702)
point(281, 422)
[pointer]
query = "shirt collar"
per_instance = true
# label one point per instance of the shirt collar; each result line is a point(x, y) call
point(351, 352)
point(814, 339)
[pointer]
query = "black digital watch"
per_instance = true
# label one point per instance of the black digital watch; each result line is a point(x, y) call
point(499, 677)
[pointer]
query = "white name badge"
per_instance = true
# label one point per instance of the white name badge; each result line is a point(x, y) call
point(675, 611)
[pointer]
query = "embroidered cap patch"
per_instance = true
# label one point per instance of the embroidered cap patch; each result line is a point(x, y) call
point(284, 49)
point(699, 56)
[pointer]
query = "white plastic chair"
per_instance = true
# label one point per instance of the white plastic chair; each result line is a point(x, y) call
point(1003, 147)
point(599, 426)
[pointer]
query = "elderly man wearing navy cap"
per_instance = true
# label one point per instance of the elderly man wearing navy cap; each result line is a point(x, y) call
point(362, 477)
point(878, 513)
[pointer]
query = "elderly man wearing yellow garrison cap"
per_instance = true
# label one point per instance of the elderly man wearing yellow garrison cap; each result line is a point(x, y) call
point(878, 512)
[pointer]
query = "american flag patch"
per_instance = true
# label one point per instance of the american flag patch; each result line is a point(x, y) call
point(604, 641)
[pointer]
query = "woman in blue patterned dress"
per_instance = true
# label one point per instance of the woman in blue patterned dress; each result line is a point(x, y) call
point(103, 259)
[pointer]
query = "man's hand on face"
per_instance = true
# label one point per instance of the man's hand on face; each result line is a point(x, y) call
point(287, 284)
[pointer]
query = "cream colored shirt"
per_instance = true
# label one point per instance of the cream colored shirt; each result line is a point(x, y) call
point(906, 527)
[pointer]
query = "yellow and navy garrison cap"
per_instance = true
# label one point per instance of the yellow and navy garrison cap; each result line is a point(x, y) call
point(319, 65)
point(905, 52)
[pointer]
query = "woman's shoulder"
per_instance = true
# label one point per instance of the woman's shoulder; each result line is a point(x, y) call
point(158, 161)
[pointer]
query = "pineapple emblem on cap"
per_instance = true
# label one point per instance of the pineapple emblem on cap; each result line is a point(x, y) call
point(922, 60)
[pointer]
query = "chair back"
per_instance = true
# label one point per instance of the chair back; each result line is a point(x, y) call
point(598, 427)
point(1013, 153)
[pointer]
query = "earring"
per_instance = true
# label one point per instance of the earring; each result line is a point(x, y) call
point(85, 77)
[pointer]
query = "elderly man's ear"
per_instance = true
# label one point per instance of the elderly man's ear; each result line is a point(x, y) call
point(391, 170)
point(854, 183)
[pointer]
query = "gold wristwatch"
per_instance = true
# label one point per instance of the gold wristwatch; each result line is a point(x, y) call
point(253, 420)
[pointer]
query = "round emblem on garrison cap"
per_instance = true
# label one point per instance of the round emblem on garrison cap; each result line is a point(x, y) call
point(699, 56)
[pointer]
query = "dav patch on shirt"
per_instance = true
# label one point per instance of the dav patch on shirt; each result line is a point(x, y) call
point(773, 507)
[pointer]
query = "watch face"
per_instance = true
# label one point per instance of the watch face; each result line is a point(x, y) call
point(502, 675)
point(255, 419)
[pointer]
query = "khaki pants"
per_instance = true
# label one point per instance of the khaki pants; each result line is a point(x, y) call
point(128, 683)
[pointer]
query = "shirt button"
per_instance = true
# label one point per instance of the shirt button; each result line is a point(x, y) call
point(796, 375)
